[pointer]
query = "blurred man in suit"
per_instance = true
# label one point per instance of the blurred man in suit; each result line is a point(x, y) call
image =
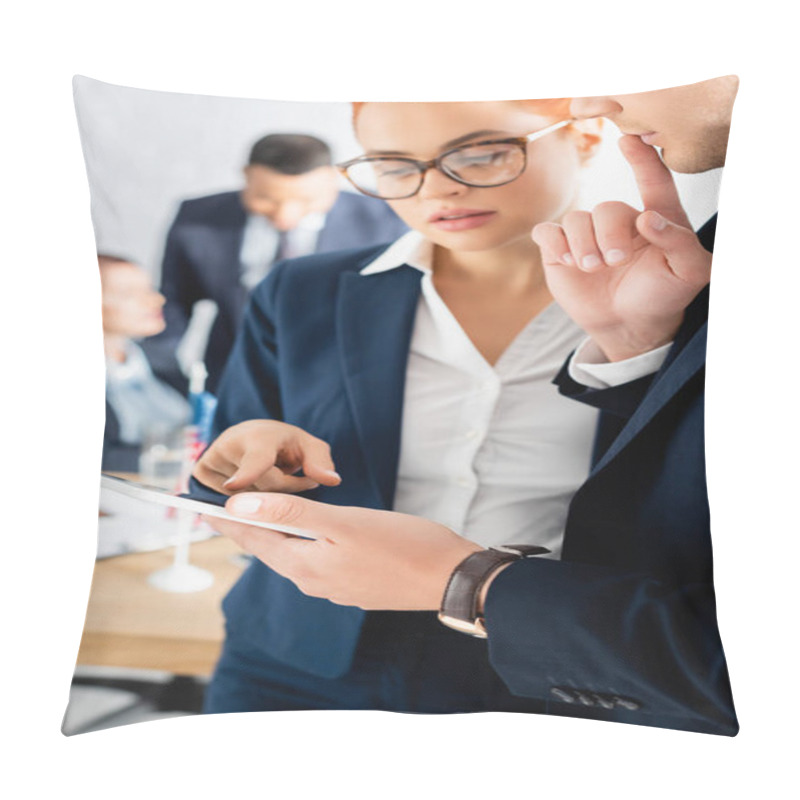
point(220, 246)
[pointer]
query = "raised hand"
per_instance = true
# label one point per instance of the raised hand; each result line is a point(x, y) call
point(265, 455)
point(626, 276)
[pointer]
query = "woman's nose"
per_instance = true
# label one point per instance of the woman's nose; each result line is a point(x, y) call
point(589, 107)
point(436, 184)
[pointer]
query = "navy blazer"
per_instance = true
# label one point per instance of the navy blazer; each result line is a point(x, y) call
point(324, 348)
point(622, 628)
point(201, 261)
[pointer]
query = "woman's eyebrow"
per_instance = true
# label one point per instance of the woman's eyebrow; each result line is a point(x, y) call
point(476, 134)
point(447, 145)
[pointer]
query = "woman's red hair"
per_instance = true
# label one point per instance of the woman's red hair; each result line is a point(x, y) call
point(557, 108)
point(587, 131)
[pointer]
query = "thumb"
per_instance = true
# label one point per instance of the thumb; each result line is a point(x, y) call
point(686, 256)
point(322, 520)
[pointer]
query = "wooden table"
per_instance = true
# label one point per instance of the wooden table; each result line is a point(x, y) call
point(130, 623)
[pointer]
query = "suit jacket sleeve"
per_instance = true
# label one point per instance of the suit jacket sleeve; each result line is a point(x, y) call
point(616, 405)
point(557, 627)
point(633, 615)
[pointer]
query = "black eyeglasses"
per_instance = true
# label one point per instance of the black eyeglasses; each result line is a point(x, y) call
point(488, 163)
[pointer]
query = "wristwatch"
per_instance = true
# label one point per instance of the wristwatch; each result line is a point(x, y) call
point(461, 599)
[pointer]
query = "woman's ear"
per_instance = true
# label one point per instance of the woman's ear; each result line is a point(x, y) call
point(588, 134)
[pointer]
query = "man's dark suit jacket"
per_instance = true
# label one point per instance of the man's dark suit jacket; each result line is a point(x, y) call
point(201, 261)
point(622, 628)
point(629, 611)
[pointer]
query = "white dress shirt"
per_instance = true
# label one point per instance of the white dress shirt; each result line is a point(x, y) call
point(590, 367)
point(493, 452)
point(139, 399)
point(260, 244)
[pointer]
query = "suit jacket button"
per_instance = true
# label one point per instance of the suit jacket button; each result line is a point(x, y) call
point(603, 701)
point(562, 694)
point(627, 703)
point(585, 698)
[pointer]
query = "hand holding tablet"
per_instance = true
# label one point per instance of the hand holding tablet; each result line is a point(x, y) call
point(153, 494)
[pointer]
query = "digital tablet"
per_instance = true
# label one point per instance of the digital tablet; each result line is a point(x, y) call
point(154, 494)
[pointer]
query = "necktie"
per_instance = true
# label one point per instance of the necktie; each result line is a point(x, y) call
point(284, 249)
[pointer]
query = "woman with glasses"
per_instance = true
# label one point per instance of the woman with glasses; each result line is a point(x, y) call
point(415, 376)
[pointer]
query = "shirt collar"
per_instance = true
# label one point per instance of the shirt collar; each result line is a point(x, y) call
point(310, 222)
point(412, 250)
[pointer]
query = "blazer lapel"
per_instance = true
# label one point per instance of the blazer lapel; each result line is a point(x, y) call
point(222, 265)
point(375, 320)
point(676, 372)
point(335, 222)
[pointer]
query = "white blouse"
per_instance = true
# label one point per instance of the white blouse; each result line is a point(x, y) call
point(494, 453)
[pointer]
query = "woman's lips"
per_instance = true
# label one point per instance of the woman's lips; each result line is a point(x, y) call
point(460, 219)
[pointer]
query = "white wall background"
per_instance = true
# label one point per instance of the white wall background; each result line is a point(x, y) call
point(145, 151)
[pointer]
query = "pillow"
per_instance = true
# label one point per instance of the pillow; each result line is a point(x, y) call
point(488, 332)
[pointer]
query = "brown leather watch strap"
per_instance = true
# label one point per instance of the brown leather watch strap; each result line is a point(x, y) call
point(459, 608)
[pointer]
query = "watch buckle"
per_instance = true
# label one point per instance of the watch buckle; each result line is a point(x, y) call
point(475, 628)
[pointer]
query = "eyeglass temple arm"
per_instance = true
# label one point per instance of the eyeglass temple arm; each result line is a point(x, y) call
point(532, 137)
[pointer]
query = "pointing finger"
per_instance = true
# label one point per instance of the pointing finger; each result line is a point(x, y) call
point(213, 470)
point(253, 464)
point(655, 181)
point(276, 480)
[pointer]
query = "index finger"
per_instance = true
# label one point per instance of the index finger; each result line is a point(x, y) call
point(213, 469)
point(252, 465)
point(655, 181)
